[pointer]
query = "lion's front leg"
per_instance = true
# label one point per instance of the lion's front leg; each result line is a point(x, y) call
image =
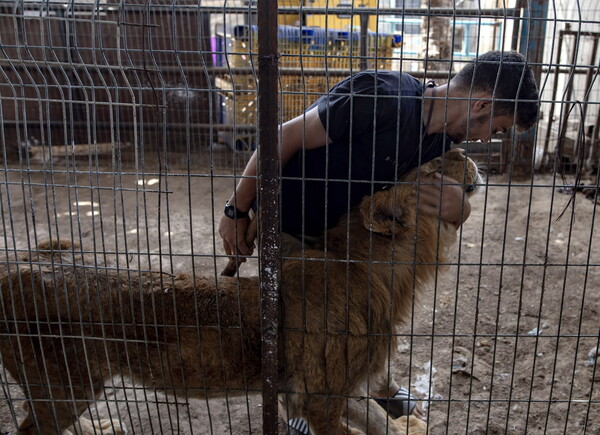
point(411, 425)
point(369, 417)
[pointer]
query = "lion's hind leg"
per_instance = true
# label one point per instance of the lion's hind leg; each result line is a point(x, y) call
point(58, 382)
point(63, 416)
point(45, 416)
point(104, 426)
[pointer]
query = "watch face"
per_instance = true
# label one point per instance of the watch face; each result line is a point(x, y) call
point(233, 213)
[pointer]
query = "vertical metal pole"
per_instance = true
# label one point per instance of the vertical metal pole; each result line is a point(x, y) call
point(596, 129)
point(533, 33)
point(268, 209)
point(565, 108)
point(364, 40)
point(561, 36)
point(516, 26)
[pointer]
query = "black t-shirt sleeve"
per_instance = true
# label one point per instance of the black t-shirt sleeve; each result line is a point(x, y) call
point(349, 107)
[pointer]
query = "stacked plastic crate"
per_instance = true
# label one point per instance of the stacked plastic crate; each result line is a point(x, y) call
point(343, 50)
point(306, 53)
point(238, 90)
point(380, 50)
point(302, 49)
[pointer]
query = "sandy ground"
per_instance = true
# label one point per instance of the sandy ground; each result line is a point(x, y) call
point(501, 343)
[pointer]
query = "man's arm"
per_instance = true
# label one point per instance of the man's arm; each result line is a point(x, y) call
point(305, 131)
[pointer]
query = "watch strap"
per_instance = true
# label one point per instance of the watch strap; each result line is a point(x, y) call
point(232, 212)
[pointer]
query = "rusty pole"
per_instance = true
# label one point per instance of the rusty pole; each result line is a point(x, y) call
point(533, 34)
point(268, 209)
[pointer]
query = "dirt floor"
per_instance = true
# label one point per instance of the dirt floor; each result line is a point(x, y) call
point(503, 342)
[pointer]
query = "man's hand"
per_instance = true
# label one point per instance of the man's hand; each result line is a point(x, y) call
point(233, 232)
point(446, 201)
point(306, 132)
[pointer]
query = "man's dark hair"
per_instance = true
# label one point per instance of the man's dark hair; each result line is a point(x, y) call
point(505, 76)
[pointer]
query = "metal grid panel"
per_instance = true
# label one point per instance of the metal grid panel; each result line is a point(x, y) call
point(125, 127)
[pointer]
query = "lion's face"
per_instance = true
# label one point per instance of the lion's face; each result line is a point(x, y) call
point(389, 211)
point(454, 164)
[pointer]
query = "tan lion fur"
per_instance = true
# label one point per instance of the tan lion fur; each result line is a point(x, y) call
point(68, 325)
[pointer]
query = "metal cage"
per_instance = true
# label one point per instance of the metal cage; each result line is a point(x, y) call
point(125, 127)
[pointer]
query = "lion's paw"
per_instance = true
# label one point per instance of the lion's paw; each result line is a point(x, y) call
point(415, 425)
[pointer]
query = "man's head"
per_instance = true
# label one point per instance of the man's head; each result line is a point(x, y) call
point(508, 83)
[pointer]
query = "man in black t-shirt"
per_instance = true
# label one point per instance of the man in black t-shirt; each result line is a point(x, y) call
point(373, 122)
point(371, 128)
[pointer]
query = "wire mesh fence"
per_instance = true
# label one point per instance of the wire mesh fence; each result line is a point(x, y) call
point(124, 129)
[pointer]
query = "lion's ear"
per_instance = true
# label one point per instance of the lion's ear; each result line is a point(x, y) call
point(378, 216)
point(435, 165)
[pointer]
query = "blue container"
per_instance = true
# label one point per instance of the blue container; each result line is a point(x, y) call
point(315, 37)
point(288, 33)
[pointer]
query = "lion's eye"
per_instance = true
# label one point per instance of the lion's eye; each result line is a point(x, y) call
point(470, 188)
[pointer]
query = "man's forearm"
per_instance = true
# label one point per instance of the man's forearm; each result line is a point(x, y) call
point(245, 191)
point(304, 131)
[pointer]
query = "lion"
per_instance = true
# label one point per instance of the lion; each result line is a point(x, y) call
point(68, 325)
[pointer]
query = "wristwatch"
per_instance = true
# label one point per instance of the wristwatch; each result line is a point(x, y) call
point(232, 212)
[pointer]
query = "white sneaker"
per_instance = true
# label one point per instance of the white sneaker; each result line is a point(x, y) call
point(298, 426)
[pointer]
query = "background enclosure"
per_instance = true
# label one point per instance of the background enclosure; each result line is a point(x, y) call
point(125, 126)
